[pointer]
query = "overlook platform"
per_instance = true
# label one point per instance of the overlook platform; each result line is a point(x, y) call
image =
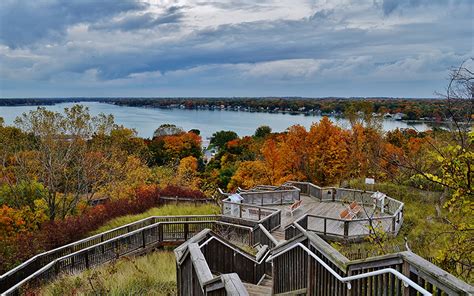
point(320, 210)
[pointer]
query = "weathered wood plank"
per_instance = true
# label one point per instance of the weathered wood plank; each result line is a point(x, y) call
point(203, 272)
point(233, 285)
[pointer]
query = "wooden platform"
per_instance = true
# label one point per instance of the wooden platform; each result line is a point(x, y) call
point(312, 206)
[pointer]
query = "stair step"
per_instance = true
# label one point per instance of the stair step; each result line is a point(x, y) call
point(279, 235)
point(266, 283)
point(255, 290)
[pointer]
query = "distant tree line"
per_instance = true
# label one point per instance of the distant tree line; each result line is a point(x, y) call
point(407, 108)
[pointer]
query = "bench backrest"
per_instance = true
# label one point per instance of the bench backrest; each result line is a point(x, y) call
point(295, 205)
point(354, 204)
point(344, 213)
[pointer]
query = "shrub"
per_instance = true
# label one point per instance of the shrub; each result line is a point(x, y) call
point(52, 234)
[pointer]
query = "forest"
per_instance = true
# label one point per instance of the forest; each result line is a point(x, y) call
point(54, 164)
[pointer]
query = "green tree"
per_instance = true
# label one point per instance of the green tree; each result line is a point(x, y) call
point(167, 130)
point(23, 193)
point(219, 139)
point(262, 131)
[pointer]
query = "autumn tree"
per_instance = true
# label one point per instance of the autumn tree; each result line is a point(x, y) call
point(295, 149)
point(249, 174)
point(187, 173)
point(171, 149)
point(58, 153)
point(328, 152)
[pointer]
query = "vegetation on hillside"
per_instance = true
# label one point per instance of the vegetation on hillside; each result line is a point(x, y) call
point(152, 274)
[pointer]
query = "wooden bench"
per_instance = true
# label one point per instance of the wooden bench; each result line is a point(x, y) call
point(355, 208)
point(351, 212)
point(296, 205)
point(347, 214)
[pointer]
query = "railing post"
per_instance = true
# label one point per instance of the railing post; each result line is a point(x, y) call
point(406, 272)
point(87, 259)
point(240, 210)
point(259, 213)
point(186, 230)
point(325, 225)
point(394, 222)
point(160, 233)
point(346, 229)
point(143, 237)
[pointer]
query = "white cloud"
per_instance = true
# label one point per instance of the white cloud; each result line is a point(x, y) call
point(280, 45)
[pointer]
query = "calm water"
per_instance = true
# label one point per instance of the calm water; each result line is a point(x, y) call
point(146, 120)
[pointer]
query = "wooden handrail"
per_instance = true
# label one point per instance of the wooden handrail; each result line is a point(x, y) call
point(268, 234)
point(250, 205)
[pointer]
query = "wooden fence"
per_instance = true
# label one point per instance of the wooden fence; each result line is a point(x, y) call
point(178, 200)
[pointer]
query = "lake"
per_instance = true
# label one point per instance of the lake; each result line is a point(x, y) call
point(146, 120)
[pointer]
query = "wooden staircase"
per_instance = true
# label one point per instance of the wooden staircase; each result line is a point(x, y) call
point(264, 288)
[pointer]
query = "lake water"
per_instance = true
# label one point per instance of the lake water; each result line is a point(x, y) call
point(146, 120)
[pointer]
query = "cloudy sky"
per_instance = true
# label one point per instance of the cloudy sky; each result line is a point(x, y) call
point(65, 48)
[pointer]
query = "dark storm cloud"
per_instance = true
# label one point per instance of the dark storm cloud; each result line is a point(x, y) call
point(23, 23)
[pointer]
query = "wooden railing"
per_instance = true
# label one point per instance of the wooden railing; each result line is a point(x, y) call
point(295, 271)
point(262, 236)
point(251, 215)
point(268, 195)
point(241, 234)
point(216, 256)
point(271, 197)
point(35, 263)
point(190, 200)
point(343, 229)
point(195, 277)
point(152, 235)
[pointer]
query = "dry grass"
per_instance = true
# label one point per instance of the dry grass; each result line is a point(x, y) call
point(153, 274)
point(166, 210)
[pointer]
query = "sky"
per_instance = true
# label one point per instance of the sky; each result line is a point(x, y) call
point(164, 48)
